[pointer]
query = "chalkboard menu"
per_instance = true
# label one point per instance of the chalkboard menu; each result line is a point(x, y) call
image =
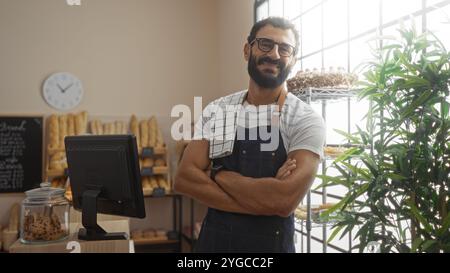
point(20, 153)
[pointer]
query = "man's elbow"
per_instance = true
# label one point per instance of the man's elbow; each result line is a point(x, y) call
point(179, 183)
point(286, 207)
point(285, 210)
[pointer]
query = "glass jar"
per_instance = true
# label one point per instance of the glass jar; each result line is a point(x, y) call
point(45, 215)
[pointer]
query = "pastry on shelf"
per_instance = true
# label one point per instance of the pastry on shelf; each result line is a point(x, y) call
point(163, 183)
point(58, 182)
point(137, 234)
point(68, 194)
point(334, 151)
point(148, 163)
point(160, 162)
point(330, 79)
point(58, 161)
point(315, 207)
point(300, 214)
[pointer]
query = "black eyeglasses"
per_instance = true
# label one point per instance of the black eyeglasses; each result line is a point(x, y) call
point(266, 45)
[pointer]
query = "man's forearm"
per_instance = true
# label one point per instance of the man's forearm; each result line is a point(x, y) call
point(266, 196)
point(196, 184)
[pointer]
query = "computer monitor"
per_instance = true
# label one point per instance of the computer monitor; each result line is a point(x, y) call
point(105, 178)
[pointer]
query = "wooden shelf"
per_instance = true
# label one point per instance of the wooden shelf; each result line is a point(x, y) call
point(150, 171)
point(53, 151)
point(154, 241)
point(154, 151)
point(188, 238)
point(149, 193)
point(55, 173)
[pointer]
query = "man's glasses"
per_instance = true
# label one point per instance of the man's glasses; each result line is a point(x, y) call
point(266, 45)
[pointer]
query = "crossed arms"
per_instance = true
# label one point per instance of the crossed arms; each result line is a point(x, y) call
point(233, 192)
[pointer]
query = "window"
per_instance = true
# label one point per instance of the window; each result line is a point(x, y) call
point(339, 33)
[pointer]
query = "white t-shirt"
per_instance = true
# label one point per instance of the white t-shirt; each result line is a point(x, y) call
point(300, 126)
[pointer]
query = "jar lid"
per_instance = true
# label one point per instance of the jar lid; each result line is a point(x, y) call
point(45, 191)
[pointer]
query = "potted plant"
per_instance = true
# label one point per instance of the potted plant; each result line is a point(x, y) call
point(399, 188)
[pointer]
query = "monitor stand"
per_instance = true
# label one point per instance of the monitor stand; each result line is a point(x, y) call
point(92, 231)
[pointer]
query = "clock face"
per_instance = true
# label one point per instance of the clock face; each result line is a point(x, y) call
point(63, 91)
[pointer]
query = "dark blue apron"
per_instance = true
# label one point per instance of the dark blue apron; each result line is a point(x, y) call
point(234, 232)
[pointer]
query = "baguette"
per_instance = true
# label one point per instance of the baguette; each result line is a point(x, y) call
point(144, 133)
point(62, 130)
point(70, 125)
point(93, 126)
point(99, 127)
point(112, 128)
point(118, 127)
point(153, 128)
point(53, 132)
point(134, 128)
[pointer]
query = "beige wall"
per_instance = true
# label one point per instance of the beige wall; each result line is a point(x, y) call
point(133, 56)
point(235, 19)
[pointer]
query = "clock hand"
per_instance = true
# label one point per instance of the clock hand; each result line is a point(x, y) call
point(60, 88)
point(70, 85)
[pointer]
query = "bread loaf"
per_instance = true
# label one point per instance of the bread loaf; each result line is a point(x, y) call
point(134, 128)
point(70, 125)
point(99, 126)
point(93, 127)
point(153, 183)
point(163, 183)
point(118, 127)
point(148, 163)
point(153, 131)
point(160, 162)
point(144, 133)
point(112, 128)
point(58, 161)
point(81, 123)
point(53, 132)
point(62, 130)
point(146, 183)
point(106, 129)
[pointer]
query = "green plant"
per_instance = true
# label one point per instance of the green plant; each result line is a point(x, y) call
point(398, 189)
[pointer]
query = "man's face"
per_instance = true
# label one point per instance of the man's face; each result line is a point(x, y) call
point(270, 69)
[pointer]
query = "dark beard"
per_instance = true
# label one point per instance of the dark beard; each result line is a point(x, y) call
point(267, 81)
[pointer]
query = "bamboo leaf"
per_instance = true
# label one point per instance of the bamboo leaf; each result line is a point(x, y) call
point(445, 225)
point(335, 233)
point(354, 139)
point(415, 245)
point(415, 104)
point(347, 154)
point(394, 176)
point(428, 244)
point(419, 217)
point(444, 109)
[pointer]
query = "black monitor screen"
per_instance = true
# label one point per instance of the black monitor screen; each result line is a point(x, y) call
point(109, 163)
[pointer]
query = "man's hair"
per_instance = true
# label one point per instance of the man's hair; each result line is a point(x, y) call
point(277, 22)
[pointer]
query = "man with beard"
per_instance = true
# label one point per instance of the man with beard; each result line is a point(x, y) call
point(264, 155)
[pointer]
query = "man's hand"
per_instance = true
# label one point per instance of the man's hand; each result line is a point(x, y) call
point(271, 195)
point(192, 179)
point(287, 168)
